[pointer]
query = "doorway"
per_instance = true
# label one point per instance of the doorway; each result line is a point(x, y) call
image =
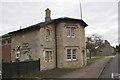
point(83, 57)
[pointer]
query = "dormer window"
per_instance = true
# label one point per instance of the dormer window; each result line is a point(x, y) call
point(47, 34)
point(70, 31)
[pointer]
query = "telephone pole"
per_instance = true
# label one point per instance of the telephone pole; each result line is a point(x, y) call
point(80, 9)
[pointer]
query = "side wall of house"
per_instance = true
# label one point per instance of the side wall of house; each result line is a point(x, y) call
point(47, 45)
point(64, 43)
point(37, 46)
point(22, 39)
point(105, 50)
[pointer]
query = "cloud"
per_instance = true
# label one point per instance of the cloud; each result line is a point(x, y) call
point(102, 17)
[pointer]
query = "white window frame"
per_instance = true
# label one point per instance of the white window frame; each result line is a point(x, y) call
point(75, 54)
point(50, 56)
point(70, 31)
point(71, 55)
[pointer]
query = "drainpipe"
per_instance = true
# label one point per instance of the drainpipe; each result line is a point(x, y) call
point(56, 45)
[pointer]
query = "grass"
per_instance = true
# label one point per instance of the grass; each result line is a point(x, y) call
point(94, 58)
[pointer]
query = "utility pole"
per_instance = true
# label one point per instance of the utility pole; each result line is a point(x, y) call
point(80, 9)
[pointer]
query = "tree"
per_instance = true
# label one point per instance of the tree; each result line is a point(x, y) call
point(118, 48)
point(93, 42)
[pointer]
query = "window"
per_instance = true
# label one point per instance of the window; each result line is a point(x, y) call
point(74, 54)
point(73, 31)
point(47, 34)
point(27, 56)
point(9, 41)
point(71, 54)
point(5, 42)
point(70, 31)
point(48, 56)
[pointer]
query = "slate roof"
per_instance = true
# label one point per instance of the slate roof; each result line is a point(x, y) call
point(42, 24)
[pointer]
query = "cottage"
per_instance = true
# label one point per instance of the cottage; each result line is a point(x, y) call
point(59, 43)
point(105, 49)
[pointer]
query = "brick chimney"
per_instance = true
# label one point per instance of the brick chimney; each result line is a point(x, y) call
point(48, 13)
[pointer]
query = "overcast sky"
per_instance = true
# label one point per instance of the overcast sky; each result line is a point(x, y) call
point(102, 17)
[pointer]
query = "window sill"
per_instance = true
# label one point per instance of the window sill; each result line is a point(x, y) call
point(72, 60)
point(48, 40)
point(70, 36)
point(48, 61)
point(73, 36)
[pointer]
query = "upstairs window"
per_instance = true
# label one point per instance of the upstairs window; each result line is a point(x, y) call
point(6, 42)
point(70, 31)
point(47, 34)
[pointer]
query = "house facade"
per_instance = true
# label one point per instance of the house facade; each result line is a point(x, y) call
point(105, 49)
point(58, 43)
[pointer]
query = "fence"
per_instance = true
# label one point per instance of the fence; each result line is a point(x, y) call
point(17, 69)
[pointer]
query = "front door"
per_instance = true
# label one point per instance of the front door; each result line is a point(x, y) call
point(83, 57)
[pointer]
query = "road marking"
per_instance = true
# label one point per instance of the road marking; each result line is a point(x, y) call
point(0, 72)
point(115, 75)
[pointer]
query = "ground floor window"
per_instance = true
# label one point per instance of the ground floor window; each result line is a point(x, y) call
point(71, 54)
point(48, 56)
point(27, 56)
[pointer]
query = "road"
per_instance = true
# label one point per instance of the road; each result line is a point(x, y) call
point(110, 68)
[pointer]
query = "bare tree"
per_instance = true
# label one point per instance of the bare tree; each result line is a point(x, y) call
point(93, 41)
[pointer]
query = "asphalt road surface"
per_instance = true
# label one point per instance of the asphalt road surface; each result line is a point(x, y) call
point(110, 68)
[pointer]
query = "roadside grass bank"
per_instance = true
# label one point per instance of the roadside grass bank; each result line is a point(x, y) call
point(95, 58)
point(90, 61)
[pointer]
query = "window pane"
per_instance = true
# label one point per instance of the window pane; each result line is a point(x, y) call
point(50, 55)
point(27, 55)
point(72, 31)
point(68, 31)
point(74, 53)
point(68, 53)
point(47, 34)
point(69, 57)
point(47, 56)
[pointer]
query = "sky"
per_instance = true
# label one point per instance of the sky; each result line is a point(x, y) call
point(100, 15)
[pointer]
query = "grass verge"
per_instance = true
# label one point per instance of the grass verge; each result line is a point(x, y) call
point(94, 58)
